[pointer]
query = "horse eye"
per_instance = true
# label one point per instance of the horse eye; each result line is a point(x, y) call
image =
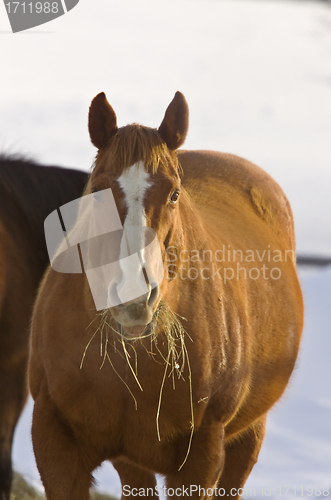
point(174, 197)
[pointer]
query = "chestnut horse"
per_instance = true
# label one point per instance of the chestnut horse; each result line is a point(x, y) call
point(179, 380)
point(28, 192)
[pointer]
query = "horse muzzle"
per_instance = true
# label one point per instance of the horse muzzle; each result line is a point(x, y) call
point(134, 315)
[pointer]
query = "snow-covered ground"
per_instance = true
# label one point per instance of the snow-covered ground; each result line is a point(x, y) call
point(257, 78)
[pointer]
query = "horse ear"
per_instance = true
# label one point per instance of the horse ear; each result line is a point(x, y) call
point(101, 121)
point(173, 128)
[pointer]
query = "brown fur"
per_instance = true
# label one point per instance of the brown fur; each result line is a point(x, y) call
point(174, 126)
point(102, 121)
point(242, 342)
point(28, 193)
point(132, 143)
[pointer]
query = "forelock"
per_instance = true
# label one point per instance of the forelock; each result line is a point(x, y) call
point(135, 143)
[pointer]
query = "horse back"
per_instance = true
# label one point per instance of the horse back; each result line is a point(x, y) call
point(225, 187)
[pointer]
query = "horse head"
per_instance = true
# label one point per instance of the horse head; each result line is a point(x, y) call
point(140, 166)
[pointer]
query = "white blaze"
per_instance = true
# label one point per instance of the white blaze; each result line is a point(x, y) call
point(134, 182)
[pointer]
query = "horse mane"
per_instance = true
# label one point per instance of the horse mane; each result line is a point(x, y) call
point(34, 191)
point(134, 143)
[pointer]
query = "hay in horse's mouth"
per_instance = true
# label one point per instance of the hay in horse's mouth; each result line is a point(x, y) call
point(164, 321)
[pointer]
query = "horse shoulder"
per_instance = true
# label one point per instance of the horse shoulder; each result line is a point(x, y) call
point(36, 370)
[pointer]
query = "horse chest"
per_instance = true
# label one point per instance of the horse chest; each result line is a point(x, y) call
point(114, 403)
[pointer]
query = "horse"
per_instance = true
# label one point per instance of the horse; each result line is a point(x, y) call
point(28, 192)
point(172, 369)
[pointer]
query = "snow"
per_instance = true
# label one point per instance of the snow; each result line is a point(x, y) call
point(257, 79)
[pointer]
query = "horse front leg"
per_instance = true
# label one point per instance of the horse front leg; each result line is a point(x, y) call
point(13, 394)
point(204, 464)
point(65, 468)
point(135, 479)
point(241, 453)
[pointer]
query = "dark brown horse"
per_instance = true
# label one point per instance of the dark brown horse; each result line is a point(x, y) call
point(28, 192)
point(171, 376)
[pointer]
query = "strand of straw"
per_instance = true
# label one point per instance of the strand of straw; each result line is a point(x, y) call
point(166, 321)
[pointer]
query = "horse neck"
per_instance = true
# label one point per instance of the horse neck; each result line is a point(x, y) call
point(193, 239)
